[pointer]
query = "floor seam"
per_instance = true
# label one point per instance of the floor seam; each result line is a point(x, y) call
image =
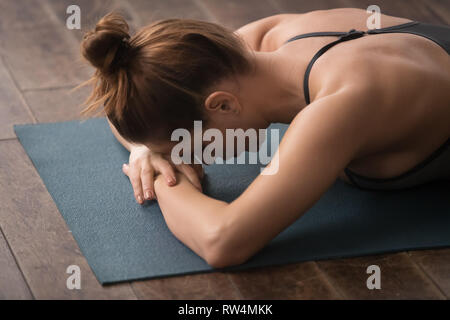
point(17, 263)
point(138, 297)
point(16, 84)
point(418, 266)
point(206, 11)
point(233, 284)
point(330, 282)
point(68, 86)
point(8, 139)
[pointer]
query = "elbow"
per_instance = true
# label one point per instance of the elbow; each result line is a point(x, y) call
point(218, 259)
point(219, 253)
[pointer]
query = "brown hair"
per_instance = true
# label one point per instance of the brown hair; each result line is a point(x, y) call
point(156, 81)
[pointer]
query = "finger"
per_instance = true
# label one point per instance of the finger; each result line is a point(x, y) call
point(191, 174)
point(135, 179)
point(147, 179)
point(166, 169)
point(125, 169)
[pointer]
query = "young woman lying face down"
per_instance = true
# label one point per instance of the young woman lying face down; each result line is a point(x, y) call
point(372, 109)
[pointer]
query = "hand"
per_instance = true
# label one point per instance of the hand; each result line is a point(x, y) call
point(144, 165)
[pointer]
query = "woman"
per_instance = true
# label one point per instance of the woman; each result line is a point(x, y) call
point(370, 108)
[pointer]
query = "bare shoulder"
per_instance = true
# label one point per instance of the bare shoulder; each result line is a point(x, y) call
point(255, 33)
point(270, 33)
point(343, 116)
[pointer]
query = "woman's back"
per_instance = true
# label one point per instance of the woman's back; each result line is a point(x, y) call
point(406, 76)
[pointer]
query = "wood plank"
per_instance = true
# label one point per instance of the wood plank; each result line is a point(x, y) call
point(293, 6)
point(58, 104)
point(23, 15)
point(148, 11)
point(91, 12)
point(38, 236)
point(234, 13)
point(413, 9)
point(440, 8)
point(215, 285)
point(400, 278)
point(293, 281)
point(12, 283)
point(43, 57)
point(436, 264)
point(12, 106)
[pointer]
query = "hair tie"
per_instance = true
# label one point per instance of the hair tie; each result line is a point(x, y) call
point(122, 54)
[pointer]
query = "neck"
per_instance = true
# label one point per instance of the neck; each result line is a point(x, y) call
point(274, 88)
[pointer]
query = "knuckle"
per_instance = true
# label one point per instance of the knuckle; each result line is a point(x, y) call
point(134, 163)
point(147, 187)
point(147, 183)
point(147, 170)
point(167, 169)
point(134, 175)
point(156, 157)
point(134, 172)
point(165, 164)
point(134, 181)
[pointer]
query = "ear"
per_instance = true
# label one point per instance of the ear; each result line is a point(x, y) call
point(222, 102)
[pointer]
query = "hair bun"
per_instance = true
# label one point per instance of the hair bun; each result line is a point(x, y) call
point(107, 46)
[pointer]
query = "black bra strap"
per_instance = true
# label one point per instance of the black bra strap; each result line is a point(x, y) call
point(317, 34)
point(344, 36)
point(339, 34)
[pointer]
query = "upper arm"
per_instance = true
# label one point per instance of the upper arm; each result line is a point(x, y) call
point(319, 143)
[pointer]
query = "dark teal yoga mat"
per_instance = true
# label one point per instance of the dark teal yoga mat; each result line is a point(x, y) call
point(80, 163)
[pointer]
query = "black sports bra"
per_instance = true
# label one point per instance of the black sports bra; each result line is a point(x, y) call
point(437, 165)
point(438, 34)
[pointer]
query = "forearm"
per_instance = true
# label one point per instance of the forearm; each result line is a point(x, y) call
point(194, 218)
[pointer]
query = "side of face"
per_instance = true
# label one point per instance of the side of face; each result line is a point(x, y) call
point(223, 110)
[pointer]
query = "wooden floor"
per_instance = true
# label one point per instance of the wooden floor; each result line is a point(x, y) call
point(39, 64)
